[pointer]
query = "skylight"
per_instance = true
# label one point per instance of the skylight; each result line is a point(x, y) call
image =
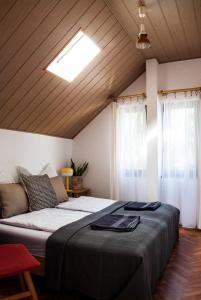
point(70, 62)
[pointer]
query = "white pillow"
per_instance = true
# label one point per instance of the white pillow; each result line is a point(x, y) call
point(23, 171)
point(47, 169)
point(6, 178)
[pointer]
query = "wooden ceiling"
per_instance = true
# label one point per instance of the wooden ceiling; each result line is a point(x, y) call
point(34, 31)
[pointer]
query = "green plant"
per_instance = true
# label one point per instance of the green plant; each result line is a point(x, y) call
point(79, 171)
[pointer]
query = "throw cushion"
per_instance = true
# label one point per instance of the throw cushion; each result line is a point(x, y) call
point(59, 189)
point(13, 200)
point(40, 192)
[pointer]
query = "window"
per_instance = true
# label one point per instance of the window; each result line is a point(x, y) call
point(80, 51)
point(131, 150)
point(180, 140)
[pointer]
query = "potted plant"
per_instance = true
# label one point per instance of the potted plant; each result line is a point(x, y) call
point(77, 180)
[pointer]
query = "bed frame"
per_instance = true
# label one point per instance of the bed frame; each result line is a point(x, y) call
point(40, 271)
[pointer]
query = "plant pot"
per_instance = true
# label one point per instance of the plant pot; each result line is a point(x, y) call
point(77, 182)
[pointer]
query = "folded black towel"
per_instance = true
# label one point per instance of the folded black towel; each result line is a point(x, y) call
point(117, 223)
point(142, 205)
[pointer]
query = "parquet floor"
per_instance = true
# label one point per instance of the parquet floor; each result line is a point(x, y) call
point(181, 280)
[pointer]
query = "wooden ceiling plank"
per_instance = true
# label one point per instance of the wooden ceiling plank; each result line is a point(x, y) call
point(33, 43)
point(172, 18)
point(127, 22)
point(91, 84)
point(156, 16)
point(102, 61)
point(43, 90)
point(72, 127)
point(102, 31)
point(104, 84)
point(64, 30)
point(197, 12)
point(23, 101)
point(15, 18)
point(42, 104)
point(6, 6)
point(183, 27)
point(35, 96)
point(188, 19)
point(155, 40)
point(17, 41)
point(15, 109)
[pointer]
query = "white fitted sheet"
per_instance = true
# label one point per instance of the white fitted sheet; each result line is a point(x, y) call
point(48, 219)
point(86, 204)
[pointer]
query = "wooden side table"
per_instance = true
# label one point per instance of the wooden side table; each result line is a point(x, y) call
point(78, 193)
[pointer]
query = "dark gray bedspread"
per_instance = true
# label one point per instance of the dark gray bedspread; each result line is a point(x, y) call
point(112, 265)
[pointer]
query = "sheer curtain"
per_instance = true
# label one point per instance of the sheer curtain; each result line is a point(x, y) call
point(131, 150)
point(180, 141)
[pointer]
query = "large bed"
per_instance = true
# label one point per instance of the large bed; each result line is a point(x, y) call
point(99, 264)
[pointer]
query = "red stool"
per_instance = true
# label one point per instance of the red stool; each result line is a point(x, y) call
point(15, 259)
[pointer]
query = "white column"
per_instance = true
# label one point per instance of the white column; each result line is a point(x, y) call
point(152, 126)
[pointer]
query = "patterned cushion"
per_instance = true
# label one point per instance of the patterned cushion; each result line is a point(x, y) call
point(40, 191)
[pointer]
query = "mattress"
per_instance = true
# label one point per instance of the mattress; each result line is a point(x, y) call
point(34, 228)
point(34, 240)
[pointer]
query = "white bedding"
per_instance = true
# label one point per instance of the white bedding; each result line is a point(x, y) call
point(48, 219)
point(86, 204)
point(34, 228)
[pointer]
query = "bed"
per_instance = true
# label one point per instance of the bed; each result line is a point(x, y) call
point(99, 264)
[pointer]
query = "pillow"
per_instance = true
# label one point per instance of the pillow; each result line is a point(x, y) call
point(40, 192)
point(59, 189)
point(13, 200)
point(23, 171)
point(48, 169)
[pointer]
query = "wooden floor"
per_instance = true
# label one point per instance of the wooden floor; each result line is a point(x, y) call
point(181, 280)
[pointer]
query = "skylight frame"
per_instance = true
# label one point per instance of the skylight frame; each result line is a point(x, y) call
point(70, 61)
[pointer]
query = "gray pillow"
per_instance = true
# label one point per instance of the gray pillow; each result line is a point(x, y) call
point(40, 191)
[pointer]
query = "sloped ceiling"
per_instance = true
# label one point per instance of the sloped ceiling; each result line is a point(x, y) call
point(33, 32)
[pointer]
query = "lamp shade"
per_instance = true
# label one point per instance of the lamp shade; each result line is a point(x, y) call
point(67, 172)
point(142, 41)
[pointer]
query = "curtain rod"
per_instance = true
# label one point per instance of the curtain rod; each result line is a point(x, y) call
point(166, 92)
point(131, 96)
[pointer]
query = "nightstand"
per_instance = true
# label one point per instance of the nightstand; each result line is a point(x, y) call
point(78, 193)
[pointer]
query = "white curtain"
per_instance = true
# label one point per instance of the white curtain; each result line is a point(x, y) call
point(180, 143)
point(131, 151)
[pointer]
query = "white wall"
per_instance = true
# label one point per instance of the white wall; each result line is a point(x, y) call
point(180, 74)
point(32, 151)
point(93, 144)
